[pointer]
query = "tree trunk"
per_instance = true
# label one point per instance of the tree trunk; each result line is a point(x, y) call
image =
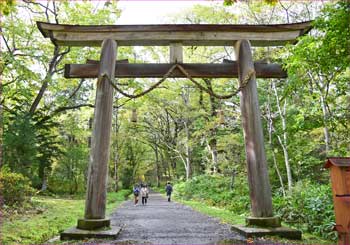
point(325, 123)
point(98, 168)
point(270, 129)
point(46, 80)
point(188, 153)
point(284, 143)
point(157, 165)
point(213, 131)
point(1, 123)
point(186, 99)
point(116, 154)
point(258, 178)
point(44, 183)
point(212, 145)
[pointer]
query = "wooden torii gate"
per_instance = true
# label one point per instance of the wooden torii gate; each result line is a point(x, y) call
point(175, 36)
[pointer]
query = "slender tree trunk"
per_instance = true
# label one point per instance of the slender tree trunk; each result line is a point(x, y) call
point(213, 131)
point(116, 154)
point(188, 152)
point(188, 167)
point(1, 124)
point(284, 142)
point(157, 165)
point(46, 80)
point(270, 130)
point(44, 183)
point(325, 123)
point(165, 166)
point(212, 146)
point(214, 155)
point(115, 168)
point(323, 88)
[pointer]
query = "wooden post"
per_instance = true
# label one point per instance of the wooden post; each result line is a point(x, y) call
point(95, 205)
point(176, 53)
point(258, 179)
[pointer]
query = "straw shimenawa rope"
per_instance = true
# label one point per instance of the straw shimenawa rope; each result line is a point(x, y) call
point(243, 84)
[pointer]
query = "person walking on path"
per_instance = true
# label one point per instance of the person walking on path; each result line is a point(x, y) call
point(136, 194)
point(169, 190)
point(144, 194)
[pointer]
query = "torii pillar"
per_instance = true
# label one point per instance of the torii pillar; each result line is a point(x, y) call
point(258, 178)
point(95, 205)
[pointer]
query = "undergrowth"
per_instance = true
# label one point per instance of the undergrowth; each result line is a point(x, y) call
point(308, 207)
point(49, 217)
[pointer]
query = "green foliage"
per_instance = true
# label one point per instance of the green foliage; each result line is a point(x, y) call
point(318, 64)
point(215, 190)
point(51, 216)
point(6, 6)
point(231, 2)
point(19, 143)
point(32, 138)
point(31, 144)
point(15, 189)
point(309, 207)
point(68, 173)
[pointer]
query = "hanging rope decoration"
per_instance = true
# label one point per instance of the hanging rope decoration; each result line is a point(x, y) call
point(243, 84)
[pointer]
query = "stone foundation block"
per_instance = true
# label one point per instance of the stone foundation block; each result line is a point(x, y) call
point(263, 221)
point(93, 224)
point(78, 234)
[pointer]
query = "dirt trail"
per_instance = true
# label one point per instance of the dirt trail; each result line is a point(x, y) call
point(161, 222)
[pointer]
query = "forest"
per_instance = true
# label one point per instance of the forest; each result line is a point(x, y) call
point(178, 132)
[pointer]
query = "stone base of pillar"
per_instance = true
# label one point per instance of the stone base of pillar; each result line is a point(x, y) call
point(284, 232)
point(93, 224)
point(263, 221)
point(266, 226)
point(78, 234)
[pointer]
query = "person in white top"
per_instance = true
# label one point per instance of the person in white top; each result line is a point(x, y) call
point(144, 194)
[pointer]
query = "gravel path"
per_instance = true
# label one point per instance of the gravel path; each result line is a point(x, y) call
point(161, 222)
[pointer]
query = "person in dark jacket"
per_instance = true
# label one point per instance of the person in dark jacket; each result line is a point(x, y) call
point(136, 191)
point(168, 190)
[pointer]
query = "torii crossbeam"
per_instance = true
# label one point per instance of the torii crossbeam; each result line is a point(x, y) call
point(176, 36)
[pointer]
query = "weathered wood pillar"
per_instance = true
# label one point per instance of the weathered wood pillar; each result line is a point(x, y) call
point(95, 205)
point(258, 178)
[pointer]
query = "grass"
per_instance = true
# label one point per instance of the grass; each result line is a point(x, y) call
point(229, 217)
point(51, 216)
point(224, 215)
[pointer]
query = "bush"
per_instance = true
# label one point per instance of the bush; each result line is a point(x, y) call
point(309, 207)
point(215, 190)
point(15, 188)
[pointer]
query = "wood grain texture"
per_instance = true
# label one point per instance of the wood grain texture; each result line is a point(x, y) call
point(224, 70)
point(340, 178)
point(188, 35)
point(176, 53)
point(258, 178)
point(95, 205)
